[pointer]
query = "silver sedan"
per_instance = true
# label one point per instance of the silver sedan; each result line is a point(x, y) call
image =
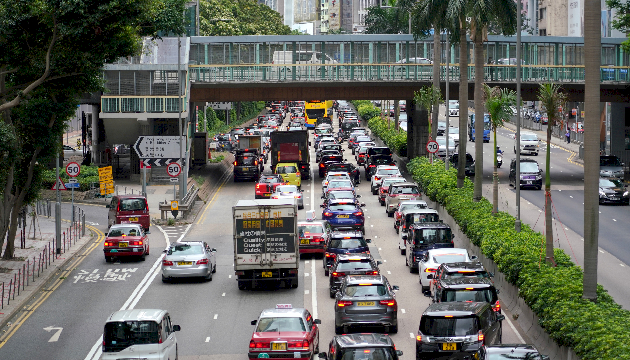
point(289, 192)
point(189, 259)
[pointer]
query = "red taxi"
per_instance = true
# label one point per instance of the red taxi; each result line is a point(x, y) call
point(313, 236)
point(267, 185)
point(125, 240)
point(285, 333)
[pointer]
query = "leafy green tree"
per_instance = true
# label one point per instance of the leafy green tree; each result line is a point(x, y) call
point(428, 98)
point(551, 98)
point(51, 52)
point(499, 104)
point(622, 21)
point(239, 17)
point(393, 19)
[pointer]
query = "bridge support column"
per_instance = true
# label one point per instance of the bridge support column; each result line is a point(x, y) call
point(417, 130)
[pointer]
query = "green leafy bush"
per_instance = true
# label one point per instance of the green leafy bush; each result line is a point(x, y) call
point(88, 176)
point(594, 330)
point(394, 139)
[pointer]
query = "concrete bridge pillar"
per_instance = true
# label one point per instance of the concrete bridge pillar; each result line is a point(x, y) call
point(417, 130)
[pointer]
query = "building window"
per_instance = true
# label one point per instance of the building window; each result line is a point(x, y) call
point(543, 13)
point(542, 32)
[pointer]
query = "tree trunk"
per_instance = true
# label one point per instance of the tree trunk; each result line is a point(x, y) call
point(479, 117)
point(396, 114)
point(495, 178)
point(9, 251)
point(463, 103)
point(5, 207)
point(548, 204)
point(411, 121)
point(437, 59)
point(592, 62)
point(422, 132)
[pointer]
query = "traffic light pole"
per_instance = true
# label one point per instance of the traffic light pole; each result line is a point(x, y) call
point(57, 209)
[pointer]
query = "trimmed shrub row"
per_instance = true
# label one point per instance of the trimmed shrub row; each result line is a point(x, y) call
point(394, 139)
point(594, 330)
point(88, 175)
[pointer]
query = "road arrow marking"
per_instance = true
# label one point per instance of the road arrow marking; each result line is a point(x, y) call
point(55, 336)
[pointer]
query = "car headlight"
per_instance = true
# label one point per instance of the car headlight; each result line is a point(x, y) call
point(625, 194)
point(601, 193)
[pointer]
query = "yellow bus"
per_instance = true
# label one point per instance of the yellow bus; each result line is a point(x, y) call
point(315, 109)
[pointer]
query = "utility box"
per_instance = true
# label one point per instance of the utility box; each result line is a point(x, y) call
point(199, 153)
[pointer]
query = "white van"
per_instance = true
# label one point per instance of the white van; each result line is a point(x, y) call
point(529, 143)
point(140, 334)
point(301, 57)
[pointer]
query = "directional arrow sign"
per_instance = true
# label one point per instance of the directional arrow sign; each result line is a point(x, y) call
point(157, 147)
point(160, 162)
point(55, 336)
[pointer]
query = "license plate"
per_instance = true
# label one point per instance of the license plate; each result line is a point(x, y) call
point(449, 346)
point(133, 219)
point(614, 198)
point(365, 303)
point(305, 241)
point(343, 216)
point(278, 346)
point(267, 274)
point(529, 181)
point(268, 194)
point(184, 263)
point(245, 169)
point(123, 244)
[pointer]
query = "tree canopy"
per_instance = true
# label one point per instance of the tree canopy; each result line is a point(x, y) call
point(239, 17)
point(622, 21)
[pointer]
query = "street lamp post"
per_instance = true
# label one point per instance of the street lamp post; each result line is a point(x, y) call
point(448, 113)
point(517, 223)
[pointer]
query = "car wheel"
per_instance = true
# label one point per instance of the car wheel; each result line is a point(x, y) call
point(403, 251)
point(397, 231)
point(393, 329)
point(109, 258)
point(143, 257)
point(338, 330)
point(242, 285)
point(326, 272)
point(209, 276)
point(164, 279)
point(317, 348)
point(382, 203)
point(214, 268)
point(390, 214)
point(332, 294)
point(411, 270)
point(373, 191)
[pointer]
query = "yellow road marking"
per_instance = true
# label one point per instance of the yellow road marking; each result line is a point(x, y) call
point(64, 274)
point(202, 218)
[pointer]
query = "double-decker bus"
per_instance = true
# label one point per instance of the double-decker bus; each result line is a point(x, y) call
point(315, 109)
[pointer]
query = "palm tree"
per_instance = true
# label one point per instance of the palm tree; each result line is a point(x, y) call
point(499, 104)
point(592, 62)
point(551, 98)
point(483, 13)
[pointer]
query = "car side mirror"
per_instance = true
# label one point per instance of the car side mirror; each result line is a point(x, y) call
point(108, 206)
point(395, 287)
point(322, 355)
point(147, 232)
point(254, 322)
point(164, 251)
point(430, 276)
point(368, 240)
point(322, 197)
point(322, 206)
point(379, 263)
point(399, 352)
point(362, 205)
point(500, 317)
point(177, 328)
point(317, 321)
point(474, 257)
point(358, 196)
point(213, 250)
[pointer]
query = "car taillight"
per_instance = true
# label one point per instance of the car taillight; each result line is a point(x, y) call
point(327, 213)
point(391, 302)
point(298, 345)
point(338, 274)
point(372, 273)
point(331, 255)
point(255, 162)
point(343, 303)
point(274, 197)
point(109, 243)
point(361, 155)
point(258, 345)
point(317, 239)
point(234, 163)
point(136, 243)
point(372, 166)
point(298, 174)
point(358, 213)
point(480, 336)
point(418, 337)
point(376, 178)
point(321, 165)
point(497, 306)
point(297, 196)
point(202, 262)
point(167, 263)
point(429, 270)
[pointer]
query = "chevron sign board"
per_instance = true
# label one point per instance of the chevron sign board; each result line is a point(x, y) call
point(160, 162)
point(157, 147)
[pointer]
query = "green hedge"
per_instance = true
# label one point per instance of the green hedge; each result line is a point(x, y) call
point(88, 175)
point(594, 330)
point(394, 139)
point(216, 120)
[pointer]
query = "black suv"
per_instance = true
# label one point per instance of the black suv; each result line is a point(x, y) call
point(457, 327)
point(352, 170)
point(467, 289)
point(247, 165)
point(327, 160)
point(424, 236)
point(344, 242)
point(361, 346)
point(347, 126)
point(374, 161)
point(531, 174)
point(378, 150)
point(470, 163)
point(351, 264)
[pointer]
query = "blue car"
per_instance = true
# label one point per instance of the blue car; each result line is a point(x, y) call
point(344, 214)
point(344, 242)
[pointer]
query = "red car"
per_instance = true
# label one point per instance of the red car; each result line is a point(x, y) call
point(313, 236)
point(267, 185)
point(285, 333)
point(125, 240)
point(129, 209)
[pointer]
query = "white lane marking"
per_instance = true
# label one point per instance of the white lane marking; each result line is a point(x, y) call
point(229, 276)
point(216, 316)
point(571, 196)
point(622, 265)
point(136, 295)
point(371, 225)
point(223, 294)
point(389, 272)
point(369, 217)
point(601, 251)
point(375, 236)
point(208, 339)
point(306, 262)
point(379, 249)
point(402, 311)
point(314, 288)
point(384, 260)
point(305, 274)
point(411, 335)
point(520, 338)
point(614, 219)
point(305, 292)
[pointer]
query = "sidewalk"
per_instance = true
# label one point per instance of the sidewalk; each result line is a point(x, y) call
point(36, 263)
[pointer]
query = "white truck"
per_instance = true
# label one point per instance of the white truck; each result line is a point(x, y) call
point(266, 242)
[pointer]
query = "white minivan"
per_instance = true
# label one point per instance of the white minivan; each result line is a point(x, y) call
point(529, 143)
point(140, 334)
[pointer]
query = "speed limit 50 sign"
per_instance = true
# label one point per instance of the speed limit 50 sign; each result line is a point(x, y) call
point(73, 169)
point(173, 169)
point(432, 146)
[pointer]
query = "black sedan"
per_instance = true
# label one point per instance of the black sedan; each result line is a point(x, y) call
point(612, 191)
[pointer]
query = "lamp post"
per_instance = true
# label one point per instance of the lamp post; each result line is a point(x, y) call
point(517, 223)
point(448, 113)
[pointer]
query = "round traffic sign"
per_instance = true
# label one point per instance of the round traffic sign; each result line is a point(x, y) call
point(432, 146)
point(73, 169)
point(173, 169)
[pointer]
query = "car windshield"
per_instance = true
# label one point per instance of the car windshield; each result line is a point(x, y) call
point(340, 184)
point(364, 353)
point(127, 231)
point(120, 335)
point(245, 160)
point(185, 249)
point(341, 195)
point(464, 273)
point(529, 167)
point(448, 258)
point(354, 265)
point(432, 236)
point(223, 137)
point(610, 183)
point(509, 353)
point(287, 169)
point(340, 168)
point(269, 180)
point(287, 189)
point(322, 131)
point(404, 206)
point(486, 295)
point(609, 161)
point(387, 182)
point(452, 105)
point(308, 229)
point(388, 172)
point(529, 137)
point(454, 326)
point(406, 190)
point(365, 290)
point(132, 205)
point(363, 138)
point(342, 207)
point(441, 124)
point(346, 125)
point(453, 131)
point(420, 218)
point(347, 243)
point(277, 324)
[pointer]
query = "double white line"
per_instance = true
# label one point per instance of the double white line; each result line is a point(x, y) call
point(136, 295)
